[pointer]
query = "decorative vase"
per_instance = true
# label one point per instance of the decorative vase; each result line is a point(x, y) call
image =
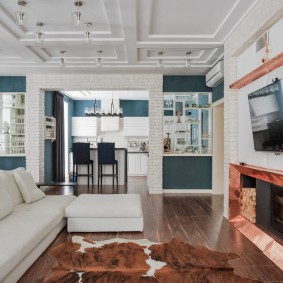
point(167, 144)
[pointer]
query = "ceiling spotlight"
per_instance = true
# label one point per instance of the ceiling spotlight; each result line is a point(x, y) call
point(99, 59)
point(78, 16)
point(62, 59)
point(39, 36)
point(87, 33)
point(20, 14)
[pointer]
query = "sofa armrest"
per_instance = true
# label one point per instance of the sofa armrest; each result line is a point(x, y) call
point(60, 184)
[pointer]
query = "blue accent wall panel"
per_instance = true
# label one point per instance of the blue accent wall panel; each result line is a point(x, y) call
point(186, 172)
point(9, 163)
point(218, 92)
point(13, 84)
point(185, 84)
point(134, 108)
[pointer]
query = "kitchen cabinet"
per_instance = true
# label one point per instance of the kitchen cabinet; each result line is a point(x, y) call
point(12, 124)
point(137, 164)
point(84, 126)
point(187, 123)
point(136, 126)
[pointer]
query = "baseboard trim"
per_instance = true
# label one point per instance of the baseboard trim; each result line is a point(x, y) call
point(187, 191)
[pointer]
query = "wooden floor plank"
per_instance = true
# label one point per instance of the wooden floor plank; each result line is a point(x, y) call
point(195, 219)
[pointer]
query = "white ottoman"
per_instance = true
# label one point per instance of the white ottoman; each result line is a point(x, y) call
point(105, 213)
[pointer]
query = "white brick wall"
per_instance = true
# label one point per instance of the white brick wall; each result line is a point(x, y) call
point(261, 18)
point(37, 84)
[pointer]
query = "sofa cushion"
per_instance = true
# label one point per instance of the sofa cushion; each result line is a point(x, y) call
point(26, 227)
point(7, 179)
point(6, 204)
point(28, 187)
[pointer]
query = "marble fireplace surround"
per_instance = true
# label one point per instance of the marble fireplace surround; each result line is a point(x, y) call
point(269, 246)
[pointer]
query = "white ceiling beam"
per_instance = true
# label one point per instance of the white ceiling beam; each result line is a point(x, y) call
point(129, 21)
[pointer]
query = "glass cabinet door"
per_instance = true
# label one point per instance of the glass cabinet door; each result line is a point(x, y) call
point(12, 124)
point(187, 123)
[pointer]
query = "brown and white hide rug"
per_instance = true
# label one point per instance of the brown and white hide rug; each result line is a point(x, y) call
point(139, 261)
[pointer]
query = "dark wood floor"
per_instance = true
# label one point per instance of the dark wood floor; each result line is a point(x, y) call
point(195, 219)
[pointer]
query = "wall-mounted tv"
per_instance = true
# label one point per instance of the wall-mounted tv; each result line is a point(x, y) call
point(266, 111)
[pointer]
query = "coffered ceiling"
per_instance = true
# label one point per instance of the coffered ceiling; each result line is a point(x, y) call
point(133, 35)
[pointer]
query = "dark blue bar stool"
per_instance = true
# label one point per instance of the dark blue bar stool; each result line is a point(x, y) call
point(106, 156)
point(81, 156)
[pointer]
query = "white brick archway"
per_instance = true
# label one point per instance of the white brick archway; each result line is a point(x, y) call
point(36, 86)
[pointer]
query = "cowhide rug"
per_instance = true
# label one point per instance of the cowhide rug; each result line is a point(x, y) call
point(139, 261)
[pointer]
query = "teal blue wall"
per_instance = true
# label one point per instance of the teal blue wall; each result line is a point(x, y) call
point(185, 84)
point(9, 163)
point(186, 172)
point(12, 84)
point(217, 92)
point(134, 108)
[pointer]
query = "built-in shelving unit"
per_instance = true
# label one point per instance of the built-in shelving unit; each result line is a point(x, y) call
point(50, 128)
point(262, 70)
point(187, 122)
point(12, 124)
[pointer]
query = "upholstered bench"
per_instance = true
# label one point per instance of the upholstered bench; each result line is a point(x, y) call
point(105, 213)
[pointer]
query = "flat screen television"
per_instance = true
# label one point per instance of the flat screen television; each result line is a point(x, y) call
point(266, 112)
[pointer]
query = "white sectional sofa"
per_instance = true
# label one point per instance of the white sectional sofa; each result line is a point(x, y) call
point(26, 229)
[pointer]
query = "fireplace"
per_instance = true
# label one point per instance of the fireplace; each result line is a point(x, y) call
point(267, 231)
point(276, 210)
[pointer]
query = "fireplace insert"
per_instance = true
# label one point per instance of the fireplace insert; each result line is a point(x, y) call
point(276, 206)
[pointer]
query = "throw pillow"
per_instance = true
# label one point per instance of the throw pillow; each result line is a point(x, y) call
point(28, 187)
point(6, 204)
point(7, 179)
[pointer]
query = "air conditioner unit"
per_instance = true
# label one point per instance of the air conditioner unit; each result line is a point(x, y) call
point(216, 75)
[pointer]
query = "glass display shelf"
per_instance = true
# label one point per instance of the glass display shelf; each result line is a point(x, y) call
point(12, 124)
point(187, 124)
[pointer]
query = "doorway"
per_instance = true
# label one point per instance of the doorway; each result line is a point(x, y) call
point(218, 148)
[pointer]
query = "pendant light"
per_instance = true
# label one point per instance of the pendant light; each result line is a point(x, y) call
point(78, 16)
point(62, 59)
point(20, 14)
point(159, 61)
point(99, 59)
point(39, 36)
point(87, 34)
point(188, 61)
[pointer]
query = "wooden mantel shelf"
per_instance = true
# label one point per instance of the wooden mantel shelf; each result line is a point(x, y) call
point(262, 70)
